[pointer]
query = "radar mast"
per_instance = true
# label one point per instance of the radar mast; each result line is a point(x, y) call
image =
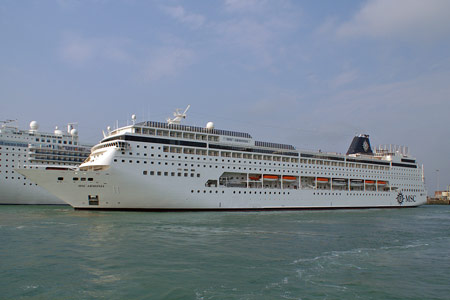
point(178, 116)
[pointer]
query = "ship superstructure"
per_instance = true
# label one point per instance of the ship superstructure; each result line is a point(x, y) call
point(168, 166)
point(36, 150)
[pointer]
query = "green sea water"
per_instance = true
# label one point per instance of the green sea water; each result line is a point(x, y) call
point(55, 252)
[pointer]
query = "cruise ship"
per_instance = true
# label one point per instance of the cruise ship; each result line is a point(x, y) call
point(37, 150)
point(159, 166)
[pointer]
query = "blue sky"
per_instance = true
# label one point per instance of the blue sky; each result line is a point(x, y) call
point(308, 73)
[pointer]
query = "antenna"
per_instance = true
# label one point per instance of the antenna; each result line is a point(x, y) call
point(178, 116)
point(423, 174)
point(4, 122)
point(71, 126)
point(108, 132)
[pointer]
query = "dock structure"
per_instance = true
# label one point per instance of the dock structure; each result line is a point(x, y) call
point(440, 197)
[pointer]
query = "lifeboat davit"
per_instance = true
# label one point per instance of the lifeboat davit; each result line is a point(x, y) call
point(339, 182)
point(270, 177)
point(356, 182)
point(289, 178)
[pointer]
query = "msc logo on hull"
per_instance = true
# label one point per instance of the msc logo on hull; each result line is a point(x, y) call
point(405, 198)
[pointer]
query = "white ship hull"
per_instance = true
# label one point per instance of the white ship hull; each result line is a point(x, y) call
point(120, 190)
point(167, 166)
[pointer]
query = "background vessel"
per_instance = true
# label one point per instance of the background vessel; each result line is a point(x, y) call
point(36, 150)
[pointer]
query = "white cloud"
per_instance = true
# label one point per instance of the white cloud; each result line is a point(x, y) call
point(258, 30)
point(327, 27)
point(180, 14)
point(393, 108)
point(168, 62)
point(344, 78)
point(80, 50)
point(399, 19)
point(161, 62)
point(68, 4)
point(245, 6)
point(246, 33)
point(77, 50)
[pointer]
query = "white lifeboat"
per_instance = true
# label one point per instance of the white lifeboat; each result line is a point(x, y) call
point(288, 178)
point(270, 177)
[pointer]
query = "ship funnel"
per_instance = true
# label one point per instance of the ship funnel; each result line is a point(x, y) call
point(360, 145)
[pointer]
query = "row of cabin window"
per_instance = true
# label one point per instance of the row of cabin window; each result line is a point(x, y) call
point(351, 194)
point(204, 191)
point(18, 178)
point(261, 192)
point(197, 151)
point(342, 174)
point(355, 175)
point(59, 141)
point(267, 157)
point(244, 192)
point(205, 166)
point(244, 168)
point(45, 159)
point(179, 174)
point(386, 190)
point(177, 134)
point(60, 152)
point(7, 166)
point(413, 190)
point(83, 179)
point(60, 159)
point(24, 148)
point(198, 158)
point(152, 162)
point(42, 140)
point(417, 176)
point(342, 164)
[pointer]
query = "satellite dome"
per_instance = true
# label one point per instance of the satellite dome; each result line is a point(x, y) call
point(74, 132)
point(34, 125)
point(57, 131)
point(210, 125)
